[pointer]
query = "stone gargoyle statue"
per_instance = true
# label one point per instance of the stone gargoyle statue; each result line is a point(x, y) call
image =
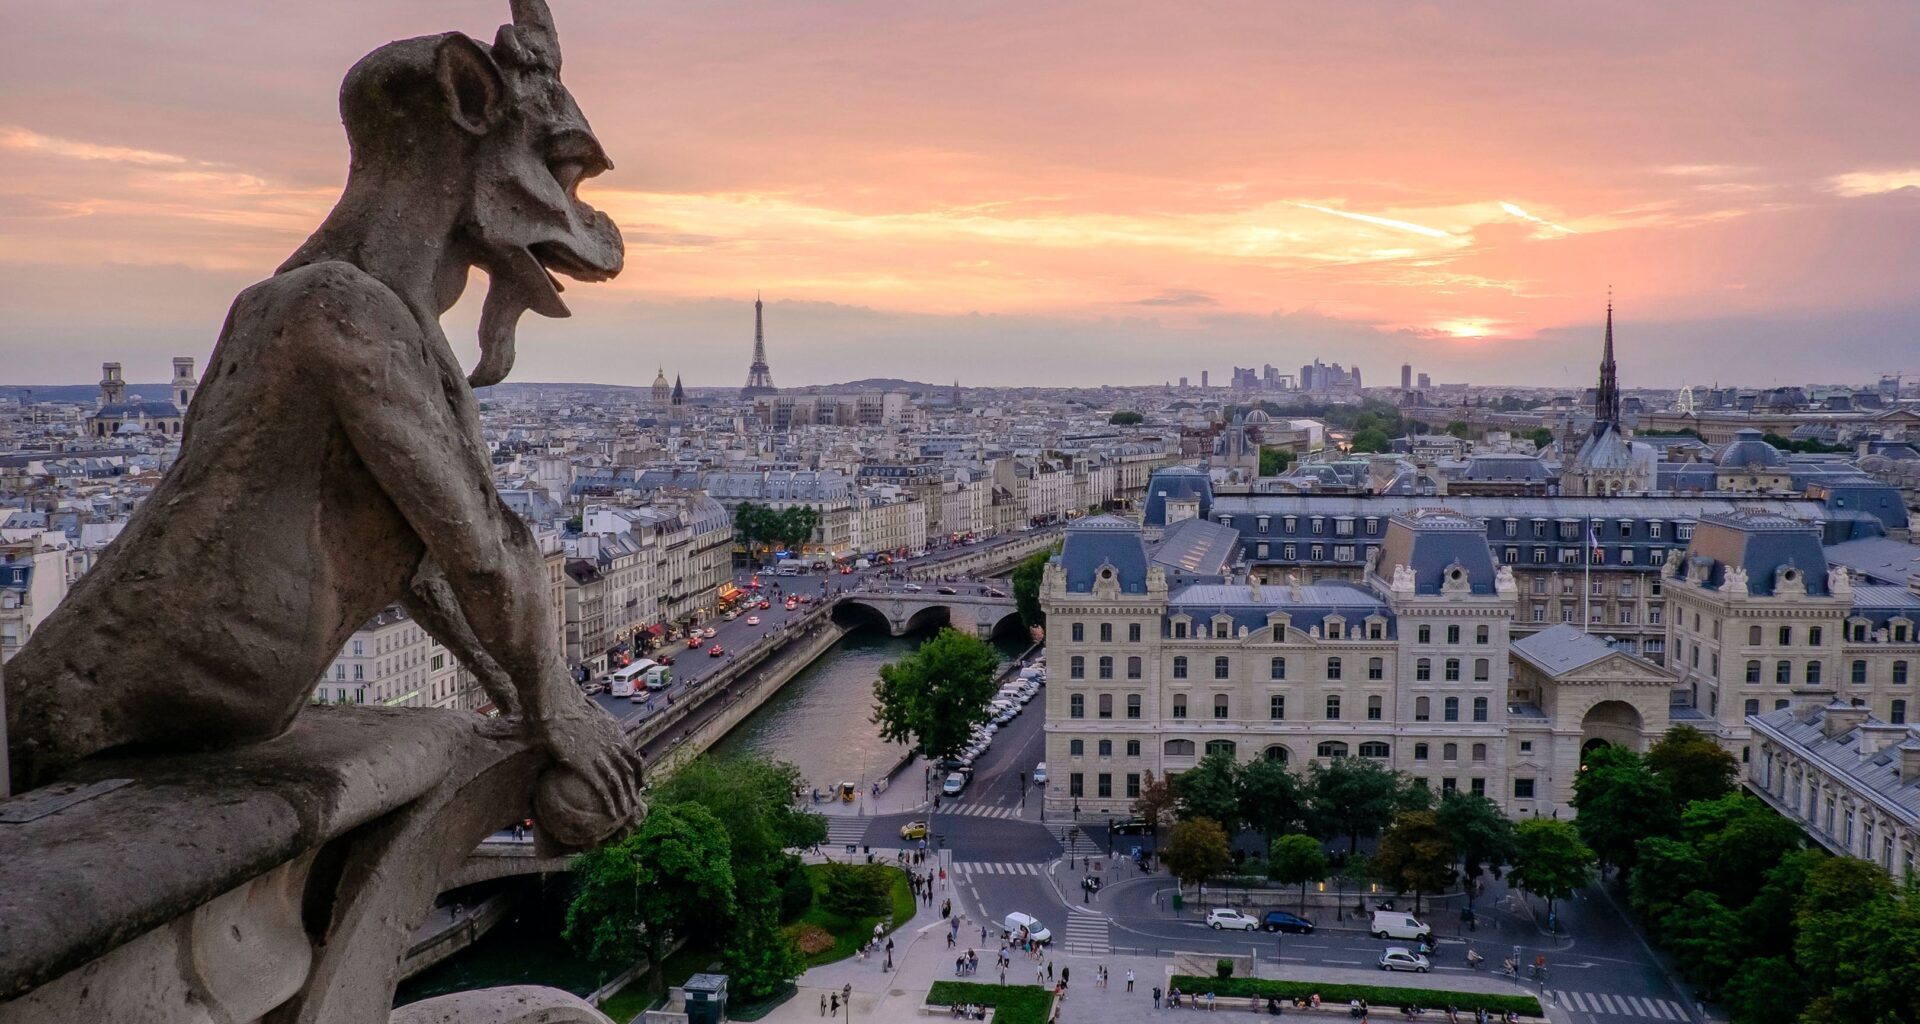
point(332, 461)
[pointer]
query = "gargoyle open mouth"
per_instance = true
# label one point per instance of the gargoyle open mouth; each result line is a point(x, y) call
point(559, 257)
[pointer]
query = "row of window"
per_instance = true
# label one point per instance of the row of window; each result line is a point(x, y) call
point(1079, 632)
point(1896, 711)
point(1277, 707)
point(1481, 635)
point(1540, 529)
point(1783, 671)
point(1595, 588)
point(1103, 785)
point(1597, 614)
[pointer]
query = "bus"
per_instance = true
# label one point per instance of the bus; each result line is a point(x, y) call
point(624, 680)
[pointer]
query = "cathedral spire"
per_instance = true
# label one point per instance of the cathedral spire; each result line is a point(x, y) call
point(1606, 399)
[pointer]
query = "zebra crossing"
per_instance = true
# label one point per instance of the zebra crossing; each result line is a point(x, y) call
point(1621, 1006)
point(842, 829)
point(1086, 935)
point(982, 810)
point(996, 867)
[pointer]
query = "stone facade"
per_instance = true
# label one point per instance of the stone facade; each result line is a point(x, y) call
point(1851, 780)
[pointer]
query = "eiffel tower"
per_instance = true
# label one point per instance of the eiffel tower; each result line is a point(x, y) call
point(759, 377)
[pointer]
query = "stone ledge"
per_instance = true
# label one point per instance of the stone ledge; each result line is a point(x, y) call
point(80, 882)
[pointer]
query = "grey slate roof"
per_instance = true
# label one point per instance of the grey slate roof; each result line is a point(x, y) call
point(1311, 608)
point(1881, 559)
point(1761, 543)
point(1178, 483)
point(1432, 540)
point(1196, 548)
point(1877, 774)
point(1561, 648)
point(1099, 541)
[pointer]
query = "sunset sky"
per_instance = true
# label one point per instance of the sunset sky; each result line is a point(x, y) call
point(1044, 191)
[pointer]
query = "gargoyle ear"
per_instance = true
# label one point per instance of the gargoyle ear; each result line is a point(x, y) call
point(474, 89)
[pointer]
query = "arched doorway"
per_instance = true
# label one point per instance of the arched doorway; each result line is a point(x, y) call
point(1611, 723)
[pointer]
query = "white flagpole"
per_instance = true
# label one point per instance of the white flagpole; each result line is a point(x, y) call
point(1586, 590)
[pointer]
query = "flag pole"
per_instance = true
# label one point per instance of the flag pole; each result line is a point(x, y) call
point(1586, 589)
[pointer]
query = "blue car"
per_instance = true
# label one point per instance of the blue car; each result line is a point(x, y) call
point(1281, 921)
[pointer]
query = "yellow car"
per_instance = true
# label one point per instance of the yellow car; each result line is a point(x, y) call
point(914, 830)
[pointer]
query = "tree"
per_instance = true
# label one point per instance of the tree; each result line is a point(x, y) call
point(1211, 789)
point(1541, 436)
point(1196, 850)
point(1704, 938)
point(1459, 429)
point(1765, 990)
point(672, 877)
point(1297, 860)
point(934, 697)
point(1026, 588)
point(1693, 766)
point(1274, 461)
point(1549, 859)
point(1126, 418)
point(1665, 871)
point(1859, 945)
point(1156, 803)
point(754, 525)
point(1415, 853)
point(1621, 803)
point(1371, 439)
point(752, 798)
point(1354, 796)
point(760, 961)
point(1481, 834)
point(1738, 855)
point(1272, 799)
point(855, 890)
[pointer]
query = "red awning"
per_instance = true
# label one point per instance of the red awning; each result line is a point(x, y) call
point(656, 629)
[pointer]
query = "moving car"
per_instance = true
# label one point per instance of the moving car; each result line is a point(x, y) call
point(715, 651)
point(765, 604)
point(945, 590)
point(1400, 958)
point(914, 830)
point(994, 593)
point(693, 641)
point(753, 620)
point(1281, 921)
point(1395, 924)
point(1223, 918)
point(913, 588)
point(954, 784)
point(1035, 930)
point(1040, 774)
point(764, 572)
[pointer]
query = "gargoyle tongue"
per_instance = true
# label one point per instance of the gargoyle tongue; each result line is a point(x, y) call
point(513, 288)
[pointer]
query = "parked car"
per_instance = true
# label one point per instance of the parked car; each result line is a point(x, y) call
point(1395, 924)
point(1035, 930)
point(954, 784)
point(1281, 921)
point(1040, 774)
point(1400, 958)
point(1222, 918)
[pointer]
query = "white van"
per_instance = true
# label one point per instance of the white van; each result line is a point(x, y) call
point(1394, 924)
point(622, 682)
point(659, 677)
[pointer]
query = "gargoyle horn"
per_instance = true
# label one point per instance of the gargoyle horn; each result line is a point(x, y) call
point(530, 42)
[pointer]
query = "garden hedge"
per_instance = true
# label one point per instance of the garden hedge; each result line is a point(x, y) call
point(1375, 995)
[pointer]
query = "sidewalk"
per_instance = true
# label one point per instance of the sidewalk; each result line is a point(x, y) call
point(898, 797)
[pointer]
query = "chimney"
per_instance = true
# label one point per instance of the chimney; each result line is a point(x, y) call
point(1878, 736)
point(1842, 718)
point(1909, 759)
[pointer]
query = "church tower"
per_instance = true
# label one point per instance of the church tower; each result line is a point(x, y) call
point(1606, 398)
point(759, 377)
point(113, 389)
point(184, 383)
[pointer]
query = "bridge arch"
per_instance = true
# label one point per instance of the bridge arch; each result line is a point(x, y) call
point(856, 614)
point(931, 616)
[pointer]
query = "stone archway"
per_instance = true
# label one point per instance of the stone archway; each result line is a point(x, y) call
point(1277, 752)
point(1612, 723)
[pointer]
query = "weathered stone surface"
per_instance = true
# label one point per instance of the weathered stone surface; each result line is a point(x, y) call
point(332, 461)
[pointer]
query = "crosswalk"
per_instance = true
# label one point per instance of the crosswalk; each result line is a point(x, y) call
point(1621, 1006)
point(842, 829)
point(982, 810)
point(1086, 935)
point(996, 867)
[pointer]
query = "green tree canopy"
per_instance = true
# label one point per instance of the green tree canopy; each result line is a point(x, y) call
point(794, 526)
point(934, 697)
point(1416, 854)
point(752, 797)
point(1621, 802)
point(1356, 796)
point(1126, 418)
point(1540, 436)
point(760, 960)
point(1211, 789)
point(1297, 860)
point(1549, 859)
point(671, 877)
point(1481, 833)
point(1371, 439)
point(1157, 802)
point(1196, 850)
point(1273, 800)
point(1704, 938)
point(1738, 855)
point(1026, 587)
point(1859, 945)
point(1459, 429)
point(1274, 461)
point(1692, 764)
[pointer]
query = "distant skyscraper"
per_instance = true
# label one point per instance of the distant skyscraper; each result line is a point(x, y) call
point(1183, 382)
point(1426, 381)
point(1406, 376)
point(759, 377)
point(1203, 378)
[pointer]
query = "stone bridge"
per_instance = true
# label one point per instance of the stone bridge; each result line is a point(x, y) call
point(970, 610)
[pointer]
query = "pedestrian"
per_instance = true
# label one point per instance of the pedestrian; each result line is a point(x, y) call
point(823, 1004)
point(1039, 976)
point(949, 940)
point(1049, 970)
point(1129, 979)
point(846, 995)
point(1063, 974)
point(1003, 973)
point(833, 1004)
point(1156, 997)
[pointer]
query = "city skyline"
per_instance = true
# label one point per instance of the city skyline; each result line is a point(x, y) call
point(1041, 193)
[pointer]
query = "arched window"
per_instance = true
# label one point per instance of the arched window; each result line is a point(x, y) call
point(1899, 714)
point(1333, 707)
point(1106, 666)
point(1422, 709)
point(1180, 667)
point(1075, 748)
point(1419, 751)
point(1220, 667)
point(1453, 635)
point(1275, 753)
point(1106, 748)
point(1133, 666)
point(1133, 632)
point(1479, 709)
point(1900, 671)
point(1079, 632)
point(1333, 668)
point(1376, 668)
point(1373, 708)
point(1373, 748)
point(1133, 705)
point(1481, 670)
point(1453, 670)
point(1753, 671)
point(1423, 669)
point(1106, 632)
point(1077, 706)
point(1331, 748)
point(1450, 710)
point(1178, 748)
point(1076, 667)
point(1221, 747)
point(1277, 669)
point(1179, 705)
point(1450, 752)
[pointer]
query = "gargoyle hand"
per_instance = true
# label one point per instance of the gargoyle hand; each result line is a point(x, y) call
point(588, 744)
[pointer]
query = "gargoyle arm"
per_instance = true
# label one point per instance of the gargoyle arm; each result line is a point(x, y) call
point(433, 604)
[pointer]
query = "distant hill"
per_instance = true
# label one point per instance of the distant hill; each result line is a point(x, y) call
point(880, 384)
point(82, 394)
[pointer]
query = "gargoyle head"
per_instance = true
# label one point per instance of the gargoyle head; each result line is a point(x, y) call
point(495, 128)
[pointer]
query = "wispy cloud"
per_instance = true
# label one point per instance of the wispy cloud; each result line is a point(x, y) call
point(1872, 183)
point(1385, 222)
point(16, 138)
point(1524, 215)
point(1178, 297)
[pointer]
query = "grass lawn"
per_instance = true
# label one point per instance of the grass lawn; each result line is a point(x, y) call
point(1375, 995)
point(823, 937)
point(1012, 1004)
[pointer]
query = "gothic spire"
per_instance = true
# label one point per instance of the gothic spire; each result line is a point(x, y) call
point(1606, 399)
